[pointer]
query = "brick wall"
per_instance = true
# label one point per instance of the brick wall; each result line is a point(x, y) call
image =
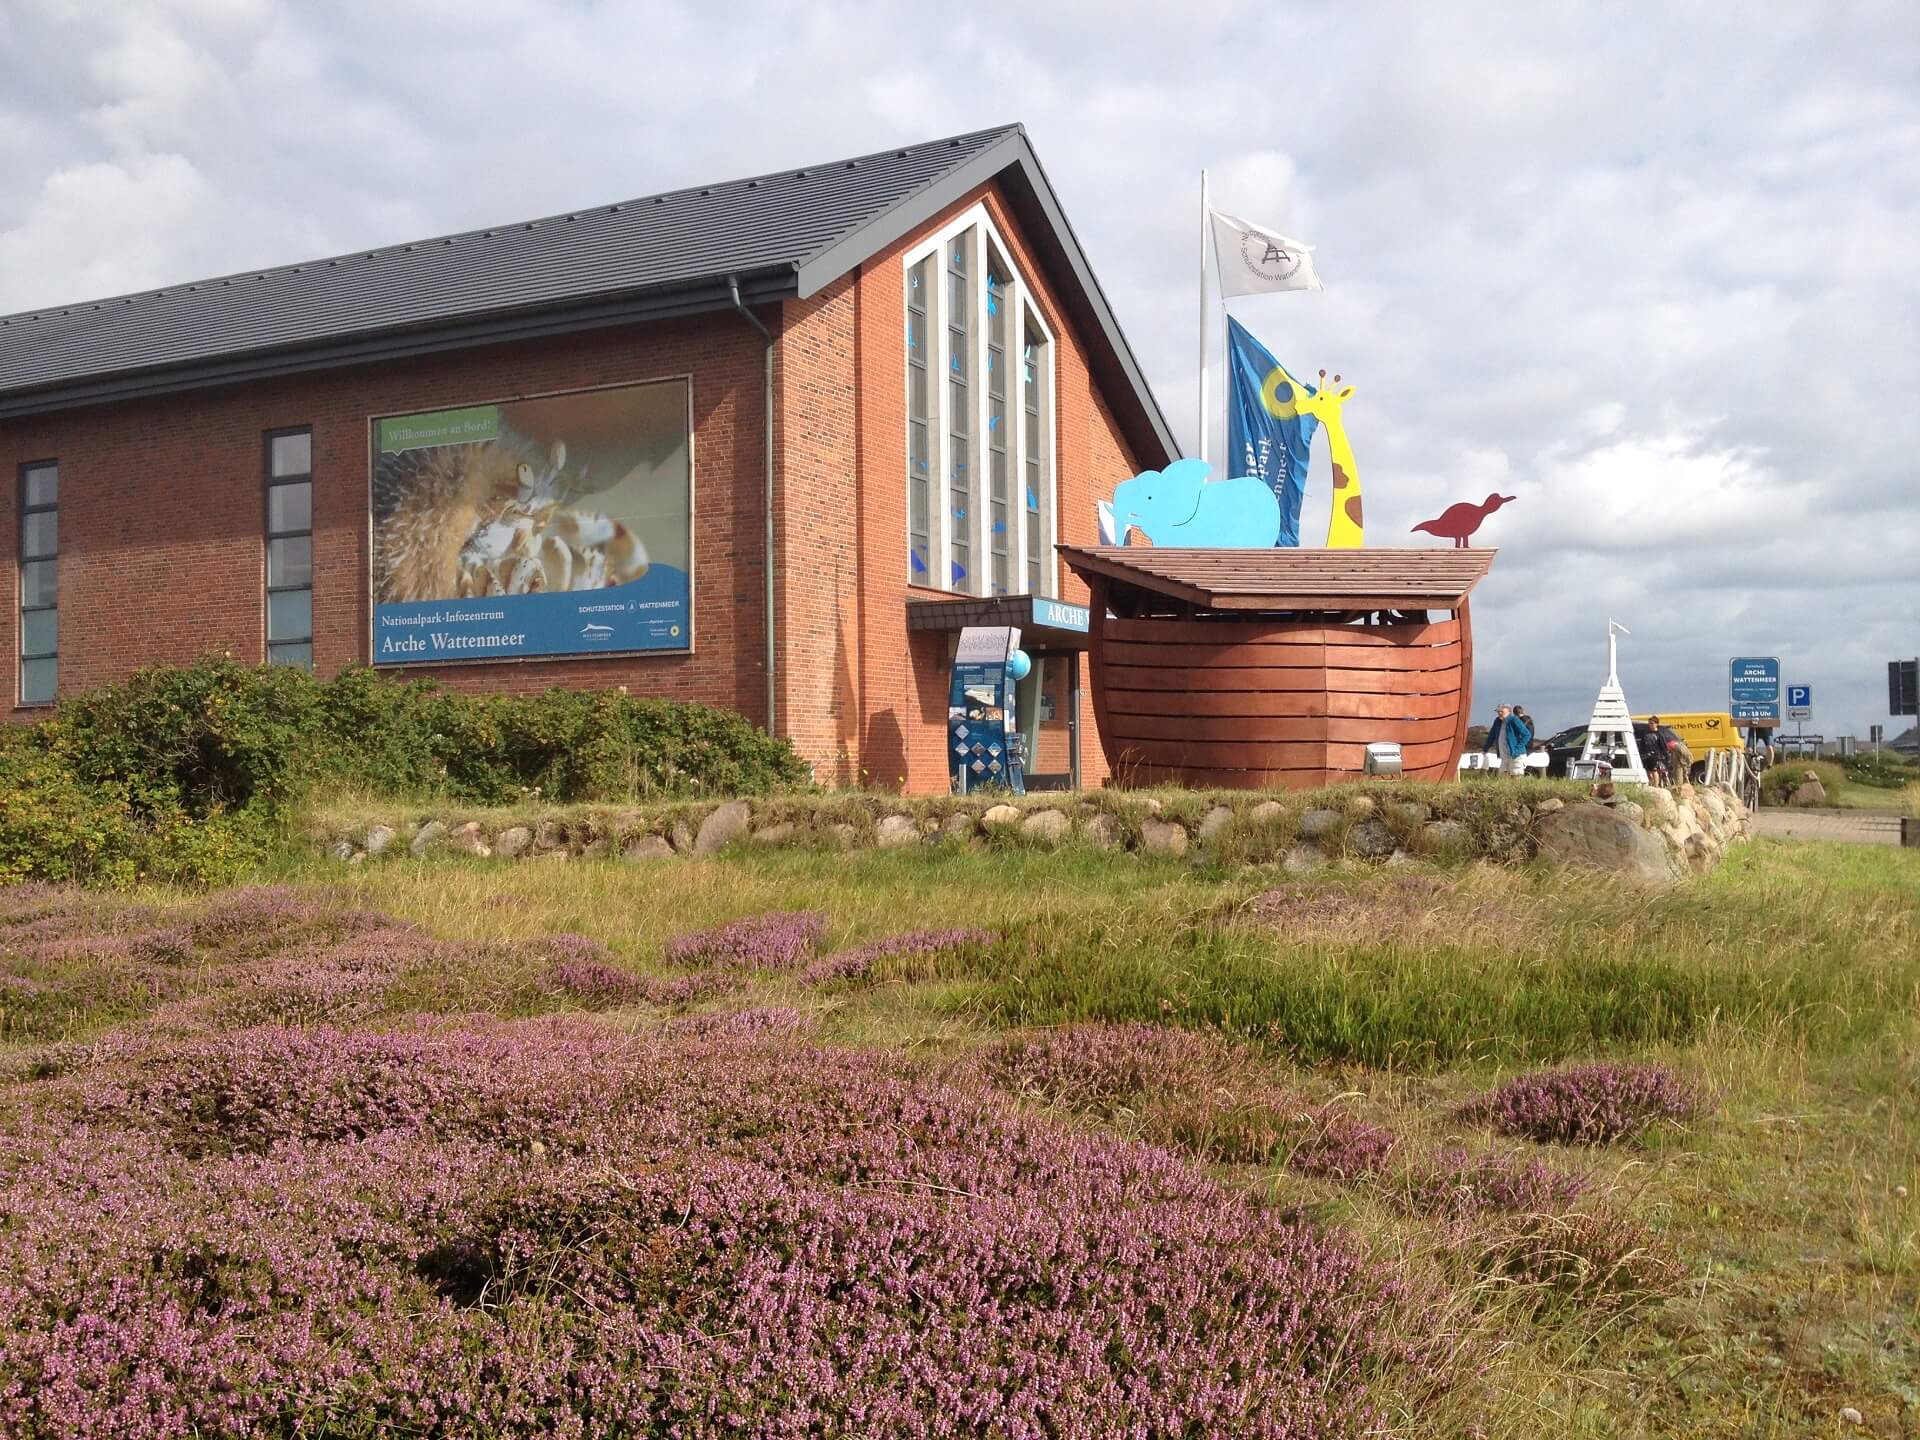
point(903, 686)
point(162, 525)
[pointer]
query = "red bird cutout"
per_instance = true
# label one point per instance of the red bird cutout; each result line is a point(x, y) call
point(1457, 522)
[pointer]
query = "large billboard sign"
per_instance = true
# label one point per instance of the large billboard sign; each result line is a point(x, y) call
point(1754, 689)
point(559, 525)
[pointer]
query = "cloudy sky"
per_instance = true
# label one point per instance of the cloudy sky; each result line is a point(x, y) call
point(1649, 268)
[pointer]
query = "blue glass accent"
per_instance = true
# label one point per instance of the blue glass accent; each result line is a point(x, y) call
point(1033, 502)
point(993, 422)
point(959, 514)
point(959, 572)
point(913, 559)
point(999, 527)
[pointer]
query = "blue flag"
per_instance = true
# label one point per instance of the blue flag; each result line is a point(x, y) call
point(1265, 437)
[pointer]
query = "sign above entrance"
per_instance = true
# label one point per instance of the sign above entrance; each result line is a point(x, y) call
point(1058, 615)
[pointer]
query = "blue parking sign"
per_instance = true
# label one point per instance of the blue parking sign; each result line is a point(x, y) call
point(1800, 695)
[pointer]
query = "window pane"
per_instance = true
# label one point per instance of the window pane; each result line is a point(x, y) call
point(43, 485)
point(38, 680)
point(290, 615)
point(301, 655)
point(40, 583)
point(292, 454)
point(290, 561)
point(290, 507)
point(39, 534)
point(39, 632)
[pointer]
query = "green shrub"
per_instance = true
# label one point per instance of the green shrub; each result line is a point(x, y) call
point(188, 774)
point(55, 826)
point(1885, 771)
point(1781, 779)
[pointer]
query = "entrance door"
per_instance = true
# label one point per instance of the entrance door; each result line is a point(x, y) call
point(1047, 708)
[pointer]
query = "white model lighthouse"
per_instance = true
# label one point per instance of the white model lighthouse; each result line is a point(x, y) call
point(1611, 729)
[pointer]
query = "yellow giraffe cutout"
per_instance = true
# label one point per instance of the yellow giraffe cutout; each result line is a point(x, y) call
point(1346, 529)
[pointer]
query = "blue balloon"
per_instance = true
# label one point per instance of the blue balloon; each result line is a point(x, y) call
point(1019, 665)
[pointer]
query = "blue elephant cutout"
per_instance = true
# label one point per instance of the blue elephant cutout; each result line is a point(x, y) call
point(1180, 506)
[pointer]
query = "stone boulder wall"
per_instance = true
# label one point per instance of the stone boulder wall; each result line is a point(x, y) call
point(1651, 836)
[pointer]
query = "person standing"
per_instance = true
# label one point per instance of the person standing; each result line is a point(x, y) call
point(1517, 739)
point(1497, 738)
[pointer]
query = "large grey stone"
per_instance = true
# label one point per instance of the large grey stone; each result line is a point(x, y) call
point(429, 837)
point(1048, 825)
point(1371, 840)
point(894, 831)
point(1266, 812)
point(1809, 792)
point(1593, 837)
point(1443, 837)
point(1549, 805)
point(957, 826)
point(1212, 823)
point(1163, 837)
point(845, 836)
point(1303, 860)
point(1629, 809)
point(1315, 824)
point(682, 835)
point(1660, 803)
point(1105, 831)
point(778, 834)
point(1361, 806)
point(1408, 812)
point(998, 815)
point(511, 841)
point(724, 826)
point(647, 847)
point(342, 850)
point(548, 835)
point(469, 839)
point(379, 837)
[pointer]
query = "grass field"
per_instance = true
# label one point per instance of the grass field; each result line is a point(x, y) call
point(1751, 1271)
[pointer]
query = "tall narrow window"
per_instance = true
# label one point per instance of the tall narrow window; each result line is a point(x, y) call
point(999, 516)
point(961, 479)
point(919, 431)
point(39, 583)
point(290, 548)
point(981, 508)
point(1033, 459)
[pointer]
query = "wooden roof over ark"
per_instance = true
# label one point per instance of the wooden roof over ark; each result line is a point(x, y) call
point(1289, 579)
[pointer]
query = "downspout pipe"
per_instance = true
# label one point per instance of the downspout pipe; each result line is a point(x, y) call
point(733, 293)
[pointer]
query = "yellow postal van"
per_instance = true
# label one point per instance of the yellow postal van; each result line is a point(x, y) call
point(1703, 731)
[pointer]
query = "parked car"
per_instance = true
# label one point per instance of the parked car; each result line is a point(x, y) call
point(1535, 763)
point(1567, 745)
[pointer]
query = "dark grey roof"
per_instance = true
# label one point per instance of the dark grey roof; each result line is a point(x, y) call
point(780, 235)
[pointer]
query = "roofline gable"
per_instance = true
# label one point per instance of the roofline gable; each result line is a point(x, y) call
point(1010, 156)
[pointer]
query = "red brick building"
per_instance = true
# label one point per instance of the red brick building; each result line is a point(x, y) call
point(844, 408)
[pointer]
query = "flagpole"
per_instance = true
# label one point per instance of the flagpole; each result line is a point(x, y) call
point(1204, 223)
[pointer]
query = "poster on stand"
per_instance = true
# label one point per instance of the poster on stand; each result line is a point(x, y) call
point(556, 525)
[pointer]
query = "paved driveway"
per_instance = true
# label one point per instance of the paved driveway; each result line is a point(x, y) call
point(1860, 827)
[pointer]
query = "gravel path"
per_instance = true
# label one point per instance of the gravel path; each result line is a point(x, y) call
point(1859, 827)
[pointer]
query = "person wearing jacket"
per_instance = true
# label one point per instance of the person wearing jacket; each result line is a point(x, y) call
point(1516, 738)
point(1497, 739)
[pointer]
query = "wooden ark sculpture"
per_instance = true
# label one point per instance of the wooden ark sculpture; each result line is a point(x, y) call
point(1255, 669)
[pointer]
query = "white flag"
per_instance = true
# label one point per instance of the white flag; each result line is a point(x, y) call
point(1257, 261)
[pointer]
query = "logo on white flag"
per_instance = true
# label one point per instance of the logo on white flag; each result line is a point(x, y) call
point(1255, 260)
point(1270, 262)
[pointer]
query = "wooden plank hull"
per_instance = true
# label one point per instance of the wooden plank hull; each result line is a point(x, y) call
point(1260, 703)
